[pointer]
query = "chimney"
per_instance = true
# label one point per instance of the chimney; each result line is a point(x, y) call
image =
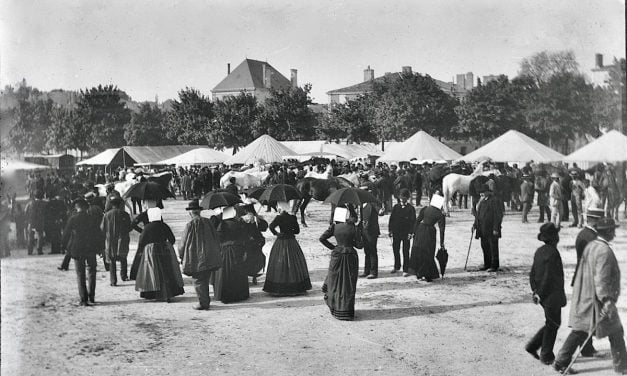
point(368, 74)
point(228, 68)
point(406, 70)
point(294, 78)
point(599, 60)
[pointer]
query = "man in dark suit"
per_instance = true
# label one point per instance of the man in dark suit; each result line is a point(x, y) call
point(547, 284)
point(401, 229)
point(371, 233)
point(232, 186)
point(488, 225)
point(80, 240)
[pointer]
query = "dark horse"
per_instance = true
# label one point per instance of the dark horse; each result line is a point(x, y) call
point(504, 186)
point(318, 189)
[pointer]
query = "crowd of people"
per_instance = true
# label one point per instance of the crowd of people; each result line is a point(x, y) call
point(226, 249)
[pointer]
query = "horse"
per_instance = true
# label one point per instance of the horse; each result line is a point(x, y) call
point(327, 174)
point(457, 183)
point(503, 186)
point(244, 179)
point(317, 189)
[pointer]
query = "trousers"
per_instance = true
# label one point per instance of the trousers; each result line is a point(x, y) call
point(576, 339)
point(113, 277)
point(201, 285)
point(544, 339)
point(371, 261)
point(396, 248)
point(39, 241)
point(525, 208)
point(490, 248)
point(86, 278)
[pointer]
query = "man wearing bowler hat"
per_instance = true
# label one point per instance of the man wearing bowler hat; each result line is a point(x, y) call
point(200, 252)
point(488, 219)
point(593, 307)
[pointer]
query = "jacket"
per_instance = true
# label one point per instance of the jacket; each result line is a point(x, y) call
point(370, 222)
point(526, 191)
point(547, 277)
point(597, 280)
point(82, 235)
point(489, 217)
point(585, 236)
point(200, 248)
point(348, 238)
point(402, 220)
point(116, 225)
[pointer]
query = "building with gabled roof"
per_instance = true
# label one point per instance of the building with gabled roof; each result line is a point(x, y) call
point(253, 77)
point(349, 93)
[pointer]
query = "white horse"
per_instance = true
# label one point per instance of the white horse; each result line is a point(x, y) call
point(327, 174)
point(456, 183)
point(244, 179)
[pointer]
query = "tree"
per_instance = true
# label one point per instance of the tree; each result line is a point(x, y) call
point(350, 121)
point(406, 103)
point(147, 127)
point(236, 121)
point(67, 131)
point(189, 121)
point(543, 65)
point(32, 119)
point(286, 115)
point(105, 115)
point(561, 110)
point(491, 109)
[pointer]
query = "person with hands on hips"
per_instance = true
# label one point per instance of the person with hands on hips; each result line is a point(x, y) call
point(401, 228)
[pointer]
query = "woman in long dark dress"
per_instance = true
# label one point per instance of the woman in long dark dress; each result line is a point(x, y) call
point(230, 283)
point(287, 268)
point(143, 219)
point(340, 284)
point(422, 259)
point(158, 274)
point(255, 258)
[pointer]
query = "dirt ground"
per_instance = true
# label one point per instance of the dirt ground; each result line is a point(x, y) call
point(469, 323)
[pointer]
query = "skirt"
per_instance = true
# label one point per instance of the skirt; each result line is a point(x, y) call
point(340, 284)
point(287, 269)
point(422, 259)
point(230, 283)
point(158, 274)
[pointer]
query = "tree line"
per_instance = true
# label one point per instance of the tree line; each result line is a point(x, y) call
point(549, 100)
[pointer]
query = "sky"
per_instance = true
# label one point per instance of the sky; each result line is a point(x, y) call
point(150, 48)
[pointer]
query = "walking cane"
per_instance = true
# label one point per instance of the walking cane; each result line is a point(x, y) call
point(472, 232)
point(565, 372)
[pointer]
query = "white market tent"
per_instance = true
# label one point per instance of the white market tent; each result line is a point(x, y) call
point(611, 147)
point(343, 150)
point(264, 149)
point(421, 146)
point(513, 146)
point(9, 166)
point(200, 156)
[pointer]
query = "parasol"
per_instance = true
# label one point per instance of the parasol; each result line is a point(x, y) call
point(218, 199)
point(148, 190)
point(254, 192)
point(442, 257)
point(280, 192)
point(353, 196)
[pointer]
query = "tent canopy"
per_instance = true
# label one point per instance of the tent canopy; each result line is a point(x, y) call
point(9, 166)
point(513, 146)
point(200, 156)
point(264, 149)
point(611, 147)
point(148, 155)
point(341, 150)
point(420, 146)
point(115, 156)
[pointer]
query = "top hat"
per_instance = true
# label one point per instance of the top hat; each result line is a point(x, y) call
point(193, 205)
point(605, 224)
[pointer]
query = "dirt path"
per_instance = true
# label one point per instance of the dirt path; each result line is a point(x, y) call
point(469, 323)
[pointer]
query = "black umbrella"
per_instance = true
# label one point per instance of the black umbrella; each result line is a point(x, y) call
point(148, 190)
point(217, 199)
point(280, 192)
point(254, 192)
point(442, 257)
point(353, 196)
